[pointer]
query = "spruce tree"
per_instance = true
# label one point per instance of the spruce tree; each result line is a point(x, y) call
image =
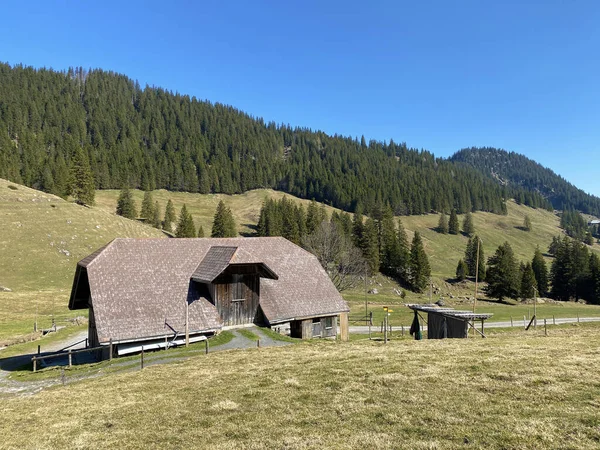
point(126, 204)
point(453, 227)
point(156, 216)
point(185, 226)
point(147, 211)
point(390, 249)
point(420, 271)
point(468, 227)
point(223, 222)
point(528, 283)
point(200, 232)
point(471, 258)
point(503, 274)
point(369, 245)
point(461, 270)
point(527, 223)
point(169, 217)
point(443, 224)
point(81, 180)
point(403, 253)
point(540, 270)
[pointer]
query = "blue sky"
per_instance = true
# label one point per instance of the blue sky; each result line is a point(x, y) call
point(440, 75)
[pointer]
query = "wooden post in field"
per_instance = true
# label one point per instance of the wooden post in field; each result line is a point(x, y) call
point(476, 281)
point(206, 347)
point(553, 320)
point(70, 359)
point(511, 322)
point(524, 321)
point(545, 328)
point(402, 330)
point(187, 323)
point(34, 359)
point(577, 317)
point(110, 350)
point(344, 327)
point(39, 349)
point(258, 343)
point(142, 358)
point(166, 343)
point(385, 328)
point(86, 343)
point(534, 307)
point(370, 328)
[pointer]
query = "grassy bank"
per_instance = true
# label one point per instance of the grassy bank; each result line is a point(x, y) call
point(507, 391)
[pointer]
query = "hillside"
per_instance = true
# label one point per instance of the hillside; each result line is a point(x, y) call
point(444, 251)
point(513, 169)
point(511, 390)
point(151, 138)
point(42, 238)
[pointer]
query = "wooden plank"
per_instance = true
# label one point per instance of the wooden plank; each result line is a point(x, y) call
point(344, 327)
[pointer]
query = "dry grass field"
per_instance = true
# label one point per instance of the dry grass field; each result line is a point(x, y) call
point(510, 391)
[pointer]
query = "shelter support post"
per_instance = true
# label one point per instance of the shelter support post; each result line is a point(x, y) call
point(344, 327)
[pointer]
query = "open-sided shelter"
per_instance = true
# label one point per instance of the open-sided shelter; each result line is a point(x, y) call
point(157, 292)
point(445, 323)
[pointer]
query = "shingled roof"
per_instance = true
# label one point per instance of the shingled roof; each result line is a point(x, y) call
point(139, 286)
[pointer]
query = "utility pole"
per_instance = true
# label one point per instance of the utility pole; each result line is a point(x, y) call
point(476, 282)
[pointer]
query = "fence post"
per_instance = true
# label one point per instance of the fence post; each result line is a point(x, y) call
point(110, 350)
point(402, 330)
point(511, 322)
point(577, 317)
point(34, 359)
point(553, 320)
point(545, 328)
point(70, 358)
point(142, 357)
point(524, 322)
point(206, 347)
point(166, 343)
point(258, 343)
point(86, 343)
point(39, 349)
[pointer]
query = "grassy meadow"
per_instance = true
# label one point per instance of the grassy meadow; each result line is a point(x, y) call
point(512, 390)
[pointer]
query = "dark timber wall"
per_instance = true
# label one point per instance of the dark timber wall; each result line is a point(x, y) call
point(236, 297)
point(311, 328)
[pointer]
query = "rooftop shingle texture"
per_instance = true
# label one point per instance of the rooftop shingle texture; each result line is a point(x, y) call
point(214, 262)
point(139, 286)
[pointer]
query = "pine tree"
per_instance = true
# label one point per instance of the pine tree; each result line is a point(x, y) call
point(223, 222)
point(420, 270)
point(540, 271)
point(471, 258)
point(453, 227)
point(528, 283)
point(126, 204)
point(313, 217)
point(369, 245)
point(390, 249)
point(185, 226)
point(443, 224)
point(503, 274)
point(147, 211)
point(169, 217)
point(156, 216)
point(461, 270)
point(527, 223)
point(200, 232)
point(468, 227)
point(81, 180)
point(403, 254)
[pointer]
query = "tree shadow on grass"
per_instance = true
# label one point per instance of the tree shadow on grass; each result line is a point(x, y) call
point(252, 233)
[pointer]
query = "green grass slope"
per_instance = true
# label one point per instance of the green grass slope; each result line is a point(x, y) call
point(520, 390)
point(42, 237)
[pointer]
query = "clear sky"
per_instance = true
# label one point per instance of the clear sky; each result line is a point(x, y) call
point(440, 75)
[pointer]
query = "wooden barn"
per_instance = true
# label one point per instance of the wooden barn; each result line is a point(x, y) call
point(160, 292)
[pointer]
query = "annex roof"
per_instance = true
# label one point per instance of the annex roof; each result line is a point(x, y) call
point(449, 312)
point(218, 258)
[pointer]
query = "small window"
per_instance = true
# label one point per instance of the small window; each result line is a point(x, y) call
point(328, 323)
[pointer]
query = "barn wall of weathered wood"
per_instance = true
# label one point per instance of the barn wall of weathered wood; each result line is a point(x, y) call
point(236, 297)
